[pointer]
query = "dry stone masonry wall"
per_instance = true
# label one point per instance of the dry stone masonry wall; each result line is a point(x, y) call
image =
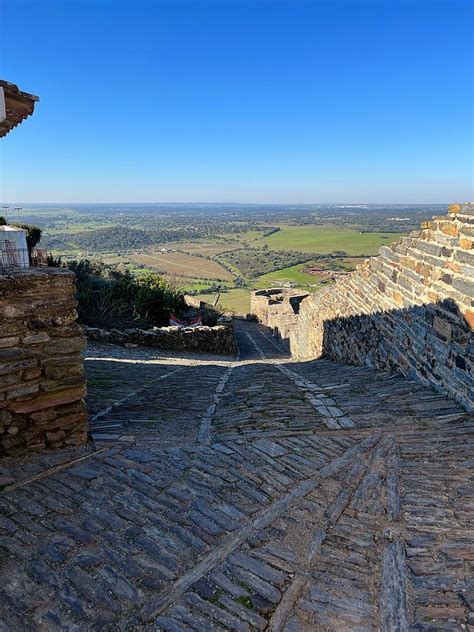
point(215, 340)
point(409, 310)
point(42, 382)
point(277, 308)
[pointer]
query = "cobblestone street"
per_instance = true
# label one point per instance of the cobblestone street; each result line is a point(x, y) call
point(245, 493)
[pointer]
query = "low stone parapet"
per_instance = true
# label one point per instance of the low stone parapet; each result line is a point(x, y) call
point(42, 383)
point(214, 340)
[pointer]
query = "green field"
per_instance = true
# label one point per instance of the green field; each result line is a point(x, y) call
point(293, 274)
point(188, 285)
point(322, 240)
point(236, 301)
point(327, 239)
point(65, 227)
point(245, 236)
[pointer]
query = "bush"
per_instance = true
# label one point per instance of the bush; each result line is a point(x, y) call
point(33, 235)
point(155, 299)
point(54, 262)
point(111, 298)
point(210, 315)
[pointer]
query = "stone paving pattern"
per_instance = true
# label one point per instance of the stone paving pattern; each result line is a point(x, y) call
point(250, 493)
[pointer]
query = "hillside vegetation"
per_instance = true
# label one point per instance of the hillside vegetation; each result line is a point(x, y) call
point(226, 248)
point(252, 262)
point(110, 298)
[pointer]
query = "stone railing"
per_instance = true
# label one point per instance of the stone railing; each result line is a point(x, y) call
point(410, 310)
point(214, 340)
point(42, 382)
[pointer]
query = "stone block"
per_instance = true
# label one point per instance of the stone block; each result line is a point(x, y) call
point(464, 286)
point(449, 228)
point(466, 244)
point(34, 339)
point(65, 346)
point(41, 375)
point(430, 248)
point(62, 383)
point(21, 391)
point(11, 311)
point(14, 367)
point(31, 374)
point(464, 256)
point(12, 341)
point(48, 400)
point(55, 436)
point(469, 317)
point(36, 324)
point(44, 415)
point(442, 328)
point(466, 230)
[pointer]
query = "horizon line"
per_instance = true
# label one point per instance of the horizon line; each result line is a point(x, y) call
point(248, 203)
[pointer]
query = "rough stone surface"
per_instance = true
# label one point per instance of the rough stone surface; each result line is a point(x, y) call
point(275, 518)
point(42, 383)
point(277, 308)
point(409, 310)
point(218, 339)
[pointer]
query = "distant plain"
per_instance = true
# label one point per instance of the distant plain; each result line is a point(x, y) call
point(226, 250)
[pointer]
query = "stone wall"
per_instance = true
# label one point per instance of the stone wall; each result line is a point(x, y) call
point(42, 382)
point(278, 309)
point(409, 310)
point(215, 340)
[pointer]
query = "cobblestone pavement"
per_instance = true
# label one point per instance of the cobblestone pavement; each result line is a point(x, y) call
point(244, 494)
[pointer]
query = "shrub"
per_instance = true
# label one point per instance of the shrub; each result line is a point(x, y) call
point(210, 315)
point(33, 235)
point(155, 299)
point(111, 298)
point(54, 262)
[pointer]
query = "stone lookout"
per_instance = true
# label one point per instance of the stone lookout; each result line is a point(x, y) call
point(278, 309)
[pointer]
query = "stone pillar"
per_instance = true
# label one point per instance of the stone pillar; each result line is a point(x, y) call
point(42, 383)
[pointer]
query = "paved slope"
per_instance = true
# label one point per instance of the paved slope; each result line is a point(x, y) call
point(245, 495)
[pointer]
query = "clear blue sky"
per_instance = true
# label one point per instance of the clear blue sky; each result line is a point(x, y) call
point(249, 101)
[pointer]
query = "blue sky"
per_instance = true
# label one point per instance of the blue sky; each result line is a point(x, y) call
point(247, 101)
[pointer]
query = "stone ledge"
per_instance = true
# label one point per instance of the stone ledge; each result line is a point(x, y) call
point(32, 274)
point(215, 340)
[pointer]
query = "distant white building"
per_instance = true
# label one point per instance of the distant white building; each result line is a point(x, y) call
point(13, 248)
point(15, 107)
